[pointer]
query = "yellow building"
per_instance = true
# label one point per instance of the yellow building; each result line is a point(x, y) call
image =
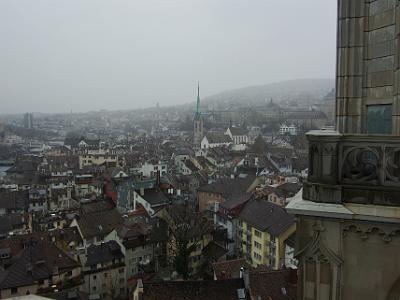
point(97, 159)
point(263, 229)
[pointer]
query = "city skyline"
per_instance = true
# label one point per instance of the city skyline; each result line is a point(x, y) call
point(97, 55)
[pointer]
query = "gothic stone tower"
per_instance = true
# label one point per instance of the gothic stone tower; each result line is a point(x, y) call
point(348, 238)
point(198, 130)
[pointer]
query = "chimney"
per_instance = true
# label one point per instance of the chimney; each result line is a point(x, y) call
point(241, 272)
point(158, 179)
point(246, 279)
point(139, 286)
point(55, 270)
point(293, 279)
point(29, 268)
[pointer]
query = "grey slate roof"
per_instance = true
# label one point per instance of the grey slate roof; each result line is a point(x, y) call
point(17, 200)
point(228, 187)
point(99, 223)
point(235, 200)
point(266, 216)
point(155, 197)
point(217, 137)
point(42, 258)
point(106, 252)
point(10, 222)
point(238, 131)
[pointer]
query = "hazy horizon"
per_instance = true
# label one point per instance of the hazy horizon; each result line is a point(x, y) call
point(94, 55)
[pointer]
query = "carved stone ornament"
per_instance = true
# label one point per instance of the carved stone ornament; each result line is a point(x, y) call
point(316, 250)
point(329, 149)
point(361, 164)
point(365, 234)
point(392, 169)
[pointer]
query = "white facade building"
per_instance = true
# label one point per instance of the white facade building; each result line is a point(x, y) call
point(291, 129)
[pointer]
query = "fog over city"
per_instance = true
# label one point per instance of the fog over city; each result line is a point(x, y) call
point(58, 56)
point(199, 149)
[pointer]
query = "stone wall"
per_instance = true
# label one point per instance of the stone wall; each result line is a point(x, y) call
point(348, 259)
point(367, 61)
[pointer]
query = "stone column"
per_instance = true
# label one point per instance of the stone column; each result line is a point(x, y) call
point(322, 181)
point(350, 65)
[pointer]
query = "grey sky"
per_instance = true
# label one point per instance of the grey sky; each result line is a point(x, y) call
point(89, 55)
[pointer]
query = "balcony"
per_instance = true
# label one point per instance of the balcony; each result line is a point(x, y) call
point(362, 169)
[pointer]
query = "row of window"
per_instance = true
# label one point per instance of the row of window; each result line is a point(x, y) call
point(240, 139)
point(94, 288)
point(195, 258)
point(162, 167)
point(100, 156)
point(257, 233)
point(140, 258)
point(257, 256)
point(120, 271)
point(257, 245)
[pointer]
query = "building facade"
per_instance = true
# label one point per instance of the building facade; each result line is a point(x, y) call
point(349, 212)
point(28, 120)
point(263, 229)
point(288, 129)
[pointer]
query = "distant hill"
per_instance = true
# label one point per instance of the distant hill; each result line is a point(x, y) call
point(301, 90)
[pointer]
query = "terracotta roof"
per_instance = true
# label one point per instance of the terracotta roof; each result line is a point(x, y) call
point(229, 269)
point(68, 295)
point(276, 285)
point(193, 290)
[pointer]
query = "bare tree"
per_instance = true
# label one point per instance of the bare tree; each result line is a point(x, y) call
point(187, 230)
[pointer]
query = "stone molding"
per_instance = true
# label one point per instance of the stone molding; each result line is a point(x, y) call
point(365, 233)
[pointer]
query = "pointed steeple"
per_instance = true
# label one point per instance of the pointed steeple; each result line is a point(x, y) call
point(198, 121)
point(198, 100)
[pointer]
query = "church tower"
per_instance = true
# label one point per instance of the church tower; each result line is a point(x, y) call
point(348, 217)
point(198, 130)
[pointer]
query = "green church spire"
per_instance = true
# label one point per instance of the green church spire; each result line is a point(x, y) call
point(198, 100)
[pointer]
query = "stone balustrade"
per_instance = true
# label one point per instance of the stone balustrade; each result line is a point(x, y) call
point(353, 168)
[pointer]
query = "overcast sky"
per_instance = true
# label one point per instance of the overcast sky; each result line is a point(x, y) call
point(62, 55)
